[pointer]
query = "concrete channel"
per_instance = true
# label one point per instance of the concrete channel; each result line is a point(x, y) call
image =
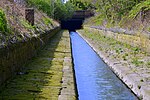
point(48, 76)
point(94, 79)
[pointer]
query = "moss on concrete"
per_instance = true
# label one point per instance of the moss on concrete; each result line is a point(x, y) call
point(13, 56)
point(41, 78)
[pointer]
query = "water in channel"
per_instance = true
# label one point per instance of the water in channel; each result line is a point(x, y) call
point(94, 79)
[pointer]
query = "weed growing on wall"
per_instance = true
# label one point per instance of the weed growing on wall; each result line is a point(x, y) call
point(26, 24)
point(148, 64)
point(47, 21)
point(136, 61)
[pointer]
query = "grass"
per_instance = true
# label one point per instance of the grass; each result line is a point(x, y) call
point(3, 23)
point(148, 64)
point(125, 56)
point(137, 62)
point(27, 25)
point(47, 21)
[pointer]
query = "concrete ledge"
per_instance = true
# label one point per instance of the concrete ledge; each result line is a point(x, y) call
point(68, 90)
point(133, 80)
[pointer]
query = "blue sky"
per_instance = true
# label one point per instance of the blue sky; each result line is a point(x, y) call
point(65, 1)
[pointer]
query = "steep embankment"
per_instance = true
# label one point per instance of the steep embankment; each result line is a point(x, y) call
point(18, 28)
point(127, 14)
point(19, 40)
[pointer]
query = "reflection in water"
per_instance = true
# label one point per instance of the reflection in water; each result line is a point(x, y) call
point(95, 81)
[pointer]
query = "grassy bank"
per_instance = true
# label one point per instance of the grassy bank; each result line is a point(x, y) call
point(129, 14)
point(14, 27)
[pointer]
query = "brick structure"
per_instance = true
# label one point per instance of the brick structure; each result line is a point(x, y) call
point(29, 15)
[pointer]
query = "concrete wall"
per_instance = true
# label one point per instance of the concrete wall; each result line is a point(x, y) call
point(139, 40)
point(82, 14)
point(12, 57)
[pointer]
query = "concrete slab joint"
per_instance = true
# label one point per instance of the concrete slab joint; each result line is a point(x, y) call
point(68, 88)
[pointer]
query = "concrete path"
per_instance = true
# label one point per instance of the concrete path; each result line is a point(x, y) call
point(49, 76)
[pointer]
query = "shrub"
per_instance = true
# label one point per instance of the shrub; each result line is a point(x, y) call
point(54, 8)
point(3, 22)
point(145, 6)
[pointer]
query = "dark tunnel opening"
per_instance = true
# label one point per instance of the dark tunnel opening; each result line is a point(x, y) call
point(76, 22)
point(72, 24)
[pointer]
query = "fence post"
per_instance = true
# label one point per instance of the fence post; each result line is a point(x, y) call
point(29, 15)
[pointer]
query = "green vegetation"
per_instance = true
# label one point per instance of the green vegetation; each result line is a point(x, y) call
point(143, 6)
point(125, 56)
point(43, 5)
point(136, 61)
point(40, 78)
point(54, 8)
point(82, 4)
point(115, 9)
point(47, 21)
point(136, 50)
point(114, 12)
point(27, 25)
point(3, 22)
point(140, 9)
point(148, 64)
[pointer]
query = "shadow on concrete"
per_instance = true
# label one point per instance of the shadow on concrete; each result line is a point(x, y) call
point(39, 76)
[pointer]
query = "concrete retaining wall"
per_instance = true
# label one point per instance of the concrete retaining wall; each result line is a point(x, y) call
point(12, 57)
point(141, 40)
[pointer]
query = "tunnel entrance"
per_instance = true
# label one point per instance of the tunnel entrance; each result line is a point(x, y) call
point(76, 22)
point(72, 24)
